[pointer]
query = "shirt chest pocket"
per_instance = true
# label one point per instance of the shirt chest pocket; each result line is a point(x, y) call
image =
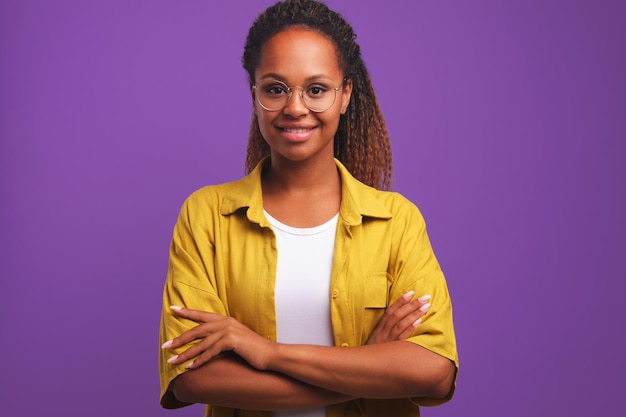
point(375, 299)
point(376, 290)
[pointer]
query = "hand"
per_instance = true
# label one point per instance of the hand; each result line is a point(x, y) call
point(217, 334)
point(400, 319)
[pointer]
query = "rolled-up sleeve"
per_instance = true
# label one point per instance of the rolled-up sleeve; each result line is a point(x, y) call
point(416, 268)
point(190, 283)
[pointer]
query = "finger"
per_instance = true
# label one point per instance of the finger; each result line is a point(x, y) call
point(207, 347)
point(404, 319)
point(400, 302)
point(402, 311)
point(222, 340)
point(194, 333)
point(396, 311)
point(424, 299)
point(400, 319)
point(419, 306)
point(201, 359)
point(407, 326)
point(385, 326)
point(188, 336)
point(408, 331)
point(406, 305)
point(200, 331)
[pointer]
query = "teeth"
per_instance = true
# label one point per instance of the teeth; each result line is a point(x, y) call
point(296, 130)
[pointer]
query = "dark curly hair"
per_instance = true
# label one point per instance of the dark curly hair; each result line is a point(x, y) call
point(362, 140)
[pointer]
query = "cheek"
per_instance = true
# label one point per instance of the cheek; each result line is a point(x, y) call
point(264, 122)
point(332, 119)
point(261, 118)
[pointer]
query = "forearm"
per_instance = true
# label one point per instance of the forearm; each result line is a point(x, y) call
point(387, 370)
point(229, 382)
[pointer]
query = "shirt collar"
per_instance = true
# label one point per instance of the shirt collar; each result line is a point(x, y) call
point(357, 199)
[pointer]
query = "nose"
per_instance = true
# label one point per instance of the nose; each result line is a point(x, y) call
point(295, 104)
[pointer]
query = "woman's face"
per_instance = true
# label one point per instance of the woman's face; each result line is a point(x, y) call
point(300, 57)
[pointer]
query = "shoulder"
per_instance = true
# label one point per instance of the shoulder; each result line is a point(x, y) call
point(374, 203)
point(392, 199)
point(209, 195)
point(209, 202)
point(400, 207)
point(371, 202)
point(226, 198)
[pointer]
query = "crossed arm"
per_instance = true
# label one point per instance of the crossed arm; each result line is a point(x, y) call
point(232, 366)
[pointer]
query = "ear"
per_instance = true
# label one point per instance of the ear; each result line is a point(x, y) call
point(345, 95)
point(253, 97)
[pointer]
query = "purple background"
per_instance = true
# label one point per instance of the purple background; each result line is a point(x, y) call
point(508, 128)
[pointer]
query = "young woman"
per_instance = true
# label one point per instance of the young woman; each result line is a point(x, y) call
point(299, 289)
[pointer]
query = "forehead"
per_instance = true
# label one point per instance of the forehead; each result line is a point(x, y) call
point(296, 54)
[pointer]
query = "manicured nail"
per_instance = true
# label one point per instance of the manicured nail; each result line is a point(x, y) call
point(425, 307)
point(424, 298)
point(189, 365)
point(176, 308)
point(417, 322)
point(172, 359)
point(408, 295)
point(167, 344)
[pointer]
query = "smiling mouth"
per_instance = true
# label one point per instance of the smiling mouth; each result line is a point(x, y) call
point(289, 130)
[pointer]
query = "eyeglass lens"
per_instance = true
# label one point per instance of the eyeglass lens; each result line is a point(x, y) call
point(274, 95)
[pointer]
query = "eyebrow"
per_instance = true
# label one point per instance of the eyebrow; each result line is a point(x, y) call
point(278, 77)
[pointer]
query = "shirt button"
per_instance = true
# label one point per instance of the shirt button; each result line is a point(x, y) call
point(335, 293)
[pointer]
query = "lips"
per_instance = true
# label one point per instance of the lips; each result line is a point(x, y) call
point(297, 133)
point(289, 130)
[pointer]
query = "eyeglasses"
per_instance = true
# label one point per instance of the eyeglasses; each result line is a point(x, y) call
point(274, 95)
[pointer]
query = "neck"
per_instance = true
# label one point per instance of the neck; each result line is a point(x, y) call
point(310, 177)
point(302, 194)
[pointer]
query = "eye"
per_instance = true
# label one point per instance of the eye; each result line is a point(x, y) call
point(276, 89)
point(316, 90)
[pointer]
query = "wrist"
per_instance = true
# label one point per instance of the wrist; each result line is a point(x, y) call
point(276, 355)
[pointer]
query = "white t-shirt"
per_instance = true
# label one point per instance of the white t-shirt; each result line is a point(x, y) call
point(302, 291)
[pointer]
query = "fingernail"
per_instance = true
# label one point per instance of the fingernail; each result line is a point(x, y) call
point(425, 307)
point(176, 308)
point(167, 344)
point(417, 322)
point(424, 298)
point(189, 365)
point(408, 295)
point(172, 359)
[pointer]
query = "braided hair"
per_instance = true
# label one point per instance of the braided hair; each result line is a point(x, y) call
point(362, 140)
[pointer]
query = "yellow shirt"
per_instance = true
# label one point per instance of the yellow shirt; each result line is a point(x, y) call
point(223, 260)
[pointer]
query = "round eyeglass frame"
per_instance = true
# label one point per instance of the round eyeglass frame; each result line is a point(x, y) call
point(289, 91)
